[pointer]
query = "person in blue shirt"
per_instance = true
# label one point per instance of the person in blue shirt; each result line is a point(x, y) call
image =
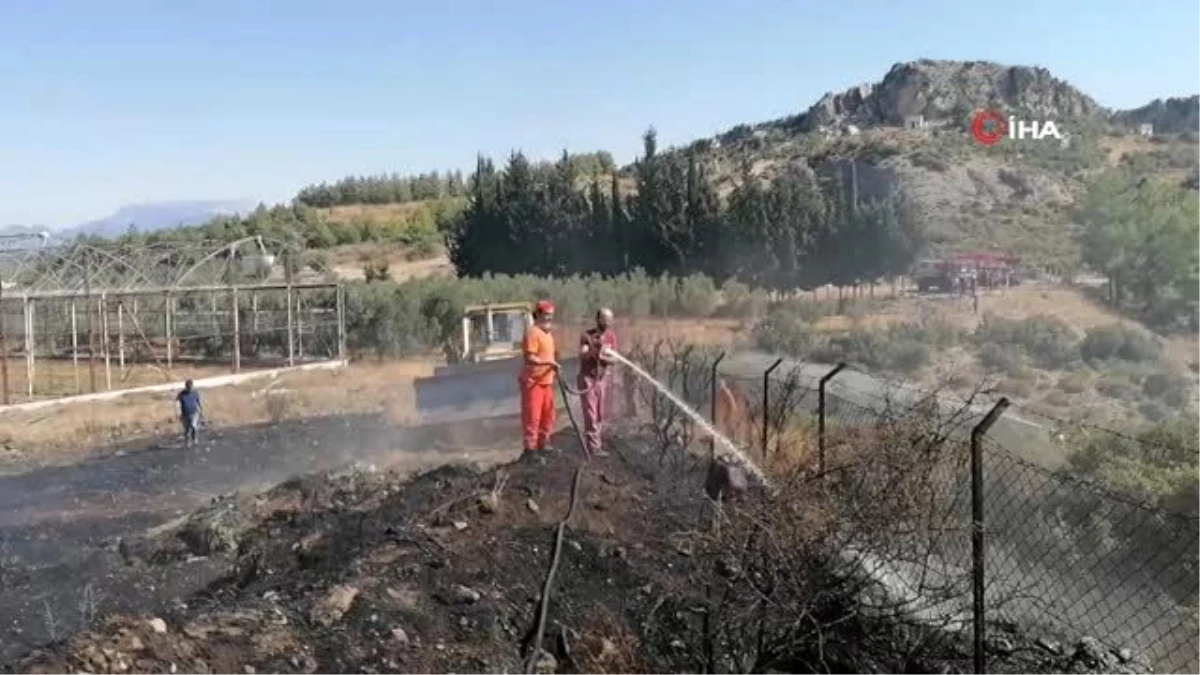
point(189, 412)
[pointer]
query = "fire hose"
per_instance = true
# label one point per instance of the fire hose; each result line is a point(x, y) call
point(567, 389)
point(539, 628)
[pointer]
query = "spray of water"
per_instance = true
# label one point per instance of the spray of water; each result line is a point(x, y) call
point(721, 440)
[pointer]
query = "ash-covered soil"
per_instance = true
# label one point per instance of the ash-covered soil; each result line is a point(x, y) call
point(60, 568)
point(369, 571)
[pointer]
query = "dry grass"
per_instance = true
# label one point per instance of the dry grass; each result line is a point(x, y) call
point(1070, 305)
point(372, 212)
point(1119, 146)
point(399, 268)
point(708, 332)
point(55, 378)
point(1021, 302)
point(63, 434)
point(347, 262)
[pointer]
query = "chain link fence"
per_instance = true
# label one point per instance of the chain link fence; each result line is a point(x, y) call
point(986, 558)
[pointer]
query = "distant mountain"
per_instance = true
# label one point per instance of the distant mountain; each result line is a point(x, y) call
point(159, 216)
point(144, 217)
point(14, 230)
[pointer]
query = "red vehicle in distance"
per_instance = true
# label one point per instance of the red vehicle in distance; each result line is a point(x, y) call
point(956, 273)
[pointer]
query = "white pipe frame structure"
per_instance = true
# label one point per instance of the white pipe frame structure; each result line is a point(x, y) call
point(98, 275)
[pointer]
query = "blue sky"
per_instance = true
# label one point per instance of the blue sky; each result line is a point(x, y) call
point(109, 103)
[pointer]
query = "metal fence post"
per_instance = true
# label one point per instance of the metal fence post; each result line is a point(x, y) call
point(977, 534)
point(821, 415)
point(766, 408)
point(3, 351)
point(712, 441)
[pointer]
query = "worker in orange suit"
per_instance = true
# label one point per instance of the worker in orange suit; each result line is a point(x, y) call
point(537, 379)
point(728, 419)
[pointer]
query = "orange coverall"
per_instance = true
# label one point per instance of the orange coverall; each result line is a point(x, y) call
point(729, 417)
point(537, 389)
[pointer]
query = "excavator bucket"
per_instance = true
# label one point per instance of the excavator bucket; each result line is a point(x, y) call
point(474, 391)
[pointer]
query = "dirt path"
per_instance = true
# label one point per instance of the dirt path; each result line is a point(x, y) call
point(59, 526)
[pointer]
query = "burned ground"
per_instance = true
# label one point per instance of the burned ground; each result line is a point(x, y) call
point(60, 567)
point(368, 571)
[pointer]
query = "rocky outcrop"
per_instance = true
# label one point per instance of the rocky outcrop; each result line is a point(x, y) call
point(948, 91)
point(1172, 115)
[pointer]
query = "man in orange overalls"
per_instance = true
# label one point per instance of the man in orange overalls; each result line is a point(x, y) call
point(729, 414)
point(537, 379)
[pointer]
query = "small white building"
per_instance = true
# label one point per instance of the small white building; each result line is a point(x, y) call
point(1146, 129)
point(914, 122)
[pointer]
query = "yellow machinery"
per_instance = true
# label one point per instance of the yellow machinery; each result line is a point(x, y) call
point(492, 332)
point(479, 380)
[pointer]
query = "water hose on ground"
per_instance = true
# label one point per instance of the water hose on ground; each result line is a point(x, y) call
point(539, 632)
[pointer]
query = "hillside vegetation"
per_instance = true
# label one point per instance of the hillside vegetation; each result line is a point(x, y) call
point(1017, 196)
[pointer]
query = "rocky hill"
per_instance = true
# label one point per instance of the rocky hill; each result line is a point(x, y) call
point(1172, 115)
point(947, 91)
point(911, 131)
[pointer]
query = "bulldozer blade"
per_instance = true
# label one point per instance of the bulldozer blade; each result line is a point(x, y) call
point(475, 391)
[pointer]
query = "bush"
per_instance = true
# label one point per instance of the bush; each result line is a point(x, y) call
point(1000, 358)
point(417, 316)
point(278, 404)
point(927, 160)
point(1117, 387)
point(698, 296)
point(895, 349)
point(934, 334)
point(1072, 383)
point(1154, 411)
point(1116, 341)
point(907, 356)
point(783, 332)
point(1017, 387)
point(1169, 388)
point(1057, 399)
point(1159, 465)
point(808, 310)
point(741, 301)
point(737, 298)
point(1047, 340)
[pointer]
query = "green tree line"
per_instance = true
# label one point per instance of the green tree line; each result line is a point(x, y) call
point(795, 231)
point(383, 189)
point(308, 227)
point(397, 189)
point(1142, 234)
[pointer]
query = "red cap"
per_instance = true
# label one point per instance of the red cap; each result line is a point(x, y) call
point(545, 307)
